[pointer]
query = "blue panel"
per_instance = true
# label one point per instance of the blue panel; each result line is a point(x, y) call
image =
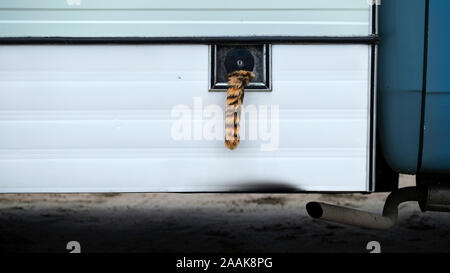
point(436, 146)
point(400, 75)
point(438, 76)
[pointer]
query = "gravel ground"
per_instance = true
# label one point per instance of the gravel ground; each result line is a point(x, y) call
point(207, 223)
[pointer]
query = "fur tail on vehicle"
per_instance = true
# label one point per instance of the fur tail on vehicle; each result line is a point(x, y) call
point(237, 81)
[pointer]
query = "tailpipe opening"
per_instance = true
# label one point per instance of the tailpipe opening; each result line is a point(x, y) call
point(314, 210)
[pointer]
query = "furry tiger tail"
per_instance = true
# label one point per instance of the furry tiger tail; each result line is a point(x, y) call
point(237, 81)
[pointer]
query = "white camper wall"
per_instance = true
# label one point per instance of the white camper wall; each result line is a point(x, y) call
point(98, 118)
point(181, 18)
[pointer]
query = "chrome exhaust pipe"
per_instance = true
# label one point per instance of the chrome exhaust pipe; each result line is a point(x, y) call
point(366, 219)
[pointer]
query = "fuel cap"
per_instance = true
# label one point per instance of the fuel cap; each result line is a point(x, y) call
point(239, 59)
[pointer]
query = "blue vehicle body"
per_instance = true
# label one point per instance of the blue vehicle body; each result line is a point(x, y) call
point(414, 85)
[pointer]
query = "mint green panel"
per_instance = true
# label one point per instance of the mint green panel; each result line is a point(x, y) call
point(183, 18)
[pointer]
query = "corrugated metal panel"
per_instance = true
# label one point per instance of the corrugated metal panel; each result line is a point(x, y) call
point(179, 18)
point(99, 118)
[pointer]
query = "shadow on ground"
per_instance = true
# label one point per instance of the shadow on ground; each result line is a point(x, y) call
point(205, 223)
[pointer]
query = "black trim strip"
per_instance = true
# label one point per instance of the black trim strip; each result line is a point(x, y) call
point(424, 87)
point(371, 39)
point(372, 185)
point(372, 122)
point(374, 19)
